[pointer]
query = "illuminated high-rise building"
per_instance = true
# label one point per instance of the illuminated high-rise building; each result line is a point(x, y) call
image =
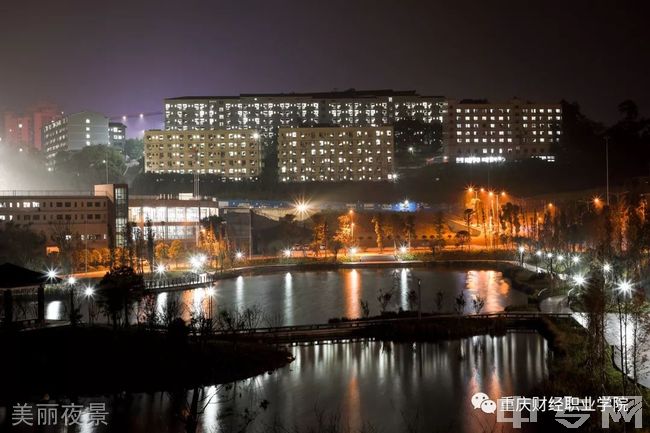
point(480, 131)
point(336, 154)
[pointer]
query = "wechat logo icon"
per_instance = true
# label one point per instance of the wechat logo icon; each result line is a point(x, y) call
point(482, 401)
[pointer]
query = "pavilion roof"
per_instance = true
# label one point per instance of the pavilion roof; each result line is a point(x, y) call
point(14, 276)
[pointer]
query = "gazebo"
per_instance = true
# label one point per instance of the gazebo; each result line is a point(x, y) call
point(14, 280)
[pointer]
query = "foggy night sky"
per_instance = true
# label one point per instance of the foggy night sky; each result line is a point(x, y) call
point(124, 57)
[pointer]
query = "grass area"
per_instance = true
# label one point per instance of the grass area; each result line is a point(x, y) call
point(571, 372)
point(95, 360)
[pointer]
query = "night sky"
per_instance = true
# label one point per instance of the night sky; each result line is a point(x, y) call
point(126, 56)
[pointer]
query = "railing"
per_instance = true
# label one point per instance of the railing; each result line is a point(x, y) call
point(356, 324)
point(159, 284)
point(50, 193)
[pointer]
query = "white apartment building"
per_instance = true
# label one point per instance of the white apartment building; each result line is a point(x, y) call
point(231, 154)
point(335, 154)
point(484, 132)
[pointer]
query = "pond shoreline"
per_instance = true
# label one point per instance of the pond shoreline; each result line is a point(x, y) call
point(71, 361)
point(480, 264)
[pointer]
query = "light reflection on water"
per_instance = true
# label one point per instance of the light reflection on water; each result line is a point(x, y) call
point(385, 384)
point(315, 297)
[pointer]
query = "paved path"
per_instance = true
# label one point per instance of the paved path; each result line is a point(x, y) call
point(555, 304)
point(361, 328)
point(559, 304)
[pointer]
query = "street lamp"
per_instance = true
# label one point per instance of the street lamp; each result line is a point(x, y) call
point(579, 280)
point(239, 255)
point(286, 252)
point(302, 207)
point(624, 288)
point(197, 262)
point(521, 255)
point(51, 274)
point(71, 282)
point(607, 268)
point(89, 292)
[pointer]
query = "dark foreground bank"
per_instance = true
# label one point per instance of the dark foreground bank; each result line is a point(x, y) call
point(70, 361)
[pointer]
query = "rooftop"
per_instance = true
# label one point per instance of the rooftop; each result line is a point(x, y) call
point(14, 276)
point(344, 94)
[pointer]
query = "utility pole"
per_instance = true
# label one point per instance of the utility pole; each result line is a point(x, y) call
point(106, 164)
point(250, 232)
point(419, 299)
point(607, 167)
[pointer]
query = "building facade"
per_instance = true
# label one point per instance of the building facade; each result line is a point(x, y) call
point(117, 134)
point(173, 217)
point(268, 112)
point(483, 132)
point(24, 130)
point(74, 132)
point(231, 154)
point(92, 218)
point(335, 154)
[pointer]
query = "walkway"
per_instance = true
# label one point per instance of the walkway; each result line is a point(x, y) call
point(360, 328)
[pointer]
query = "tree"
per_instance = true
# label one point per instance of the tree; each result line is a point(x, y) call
point(63, 237)
point(139, 250)
point(21, 246)
point(320, 233)
point(344, 232)
point(365, 308)
point(409, 227)
point(439, 225)
point(134, 148)
point(468, 216)
point(462, 237)
point(88, 165)
point(161, 251)
point(335, 246)
point(378, 223)
point(384, 298)
point(396, 228)
point(212, 240)
point(412, 299)
point(460, 303)
point(151, 257)
point(175, 251)
point(478, 303)
point(439, 300)
point(116, 291)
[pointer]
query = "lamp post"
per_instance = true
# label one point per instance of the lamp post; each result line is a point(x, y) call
point(89, 292)
point(71, 282)
point(607, 168)
point(624, 289)
point(521, 255)
point(351, 213)
point(419, 299)
point(302, 211)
